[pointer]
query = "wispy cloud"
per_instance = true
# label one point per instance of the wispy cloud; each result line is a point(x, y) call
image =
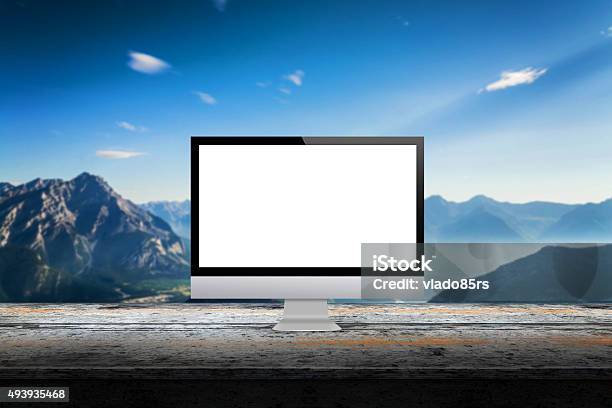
point(284, 90)
point(262, 84)
point(513, 78)
point(131, 127)
point(296, 77)
point(118, 154)
point(607, 32)
point(403, 21)
point(220, 4)
point(206, 98)
point(146, 64)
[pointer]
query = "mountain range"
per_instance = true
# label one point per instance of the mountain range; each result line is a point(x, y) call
point(555, 273)
point(79, 240)
point(79, 234)
point(479, 219)
point(483, 219)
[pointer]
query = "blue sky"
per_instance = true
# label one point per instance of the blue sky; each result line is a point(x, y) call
point(514, 99)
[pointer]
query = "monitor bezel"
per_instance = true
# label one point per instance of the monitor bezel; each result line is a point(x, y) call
point(196, 141)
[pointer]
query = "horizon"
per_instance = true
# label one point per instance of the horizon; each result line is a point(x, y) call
point(189, 199)
point(520, 113)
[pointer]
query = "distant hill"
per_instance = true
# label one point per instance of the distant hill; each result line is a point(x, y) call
point(587, 223)
point(553, 274)
point(87, 233)
point(483, 219)
point(176, 213)
point(478, 225)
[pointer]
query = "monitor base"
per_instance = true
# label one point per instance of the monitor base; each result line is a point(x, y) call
point(306, 315)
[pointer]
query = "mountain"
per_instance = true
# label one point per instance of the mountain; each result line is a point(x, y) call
point(479, 225)
point(25, 277)
point(176, 213)
point(587, 223)
point(552, 274)
point(483, 219)
point(84, 229)
point(5, 187)
point(83, 224)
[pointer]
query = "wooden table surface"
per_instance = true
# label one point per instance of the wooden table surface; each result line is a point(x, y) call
point(237, 341)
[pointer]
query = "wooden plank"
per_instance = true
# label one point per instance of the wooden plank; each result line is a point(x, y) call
point(237, 341)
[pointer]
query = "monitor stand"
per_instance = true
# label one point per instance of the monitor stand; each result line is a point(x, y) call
point(306, 315)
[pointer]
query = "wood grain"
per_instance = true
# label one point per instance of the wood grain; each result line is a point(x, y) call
point(237, 341)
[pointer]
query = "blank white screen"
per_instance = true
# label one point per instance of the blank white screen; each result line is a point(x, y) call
point(303, 205)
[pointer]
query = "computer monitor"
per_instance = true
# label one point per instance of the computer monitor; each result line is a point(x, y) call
point(285, 217)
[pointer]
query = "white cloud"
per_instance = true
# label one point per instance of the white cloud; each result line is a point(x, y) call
point(220, 4)
point(284, 90)
point(131, 127)
point(117, 154)
point(262, 84)
point(147, 64)
point(607, 33)
point(206, 98)
point(297, 77)
point(513, 78)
